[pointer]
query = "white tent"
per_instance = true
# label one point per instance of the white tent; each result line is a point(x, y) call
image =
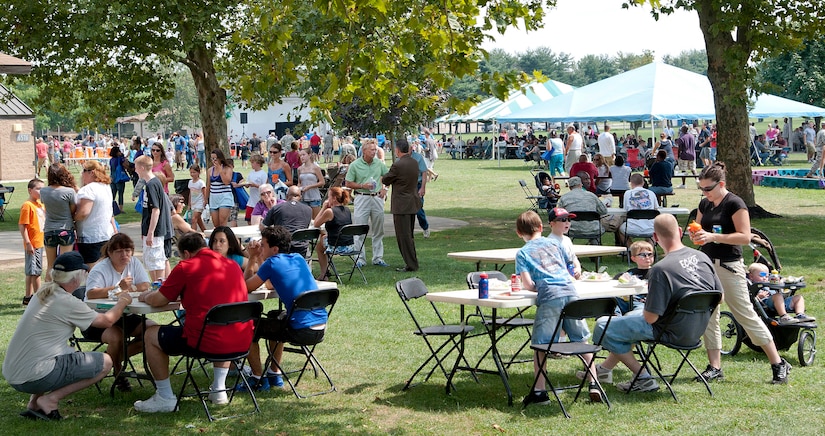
point(492, 108)
point(656, 91)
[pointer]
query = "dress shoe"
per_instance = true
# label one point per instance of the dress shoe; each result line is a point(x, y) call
point(405, 269)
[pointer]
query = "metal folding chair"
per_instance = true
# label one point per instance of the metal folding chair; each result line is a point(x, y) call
point(591, 236)
point(310, 236)
point(639, 215)
point(223, 315)
point(576, 310)
point(308, 301)
point(5, 200)
point(411, 289)
point(349, 230)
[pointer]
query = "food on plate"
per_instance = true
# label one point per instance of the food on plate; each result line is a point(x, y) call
point(628, 279)
point(595, 276)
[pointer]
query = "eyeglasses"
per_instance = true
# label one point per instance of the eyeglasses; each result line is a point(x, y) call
point(267, 193)
point(644, 255)
point(708, 188)
point(561, 220)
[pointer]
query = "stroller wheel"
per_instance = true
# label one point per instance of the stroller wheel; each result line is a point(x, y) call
point(807, 347)
point(732, 334)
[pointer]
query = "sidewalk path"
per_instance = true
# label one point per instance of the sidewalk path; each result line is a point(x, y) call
point(11, 243)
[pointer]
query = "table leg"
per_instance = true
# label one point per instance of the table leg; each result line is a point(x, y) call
point(460, 352)
point(502, 372)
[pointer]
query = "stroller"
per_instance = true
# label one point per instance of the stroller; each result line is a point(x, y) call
point(784, 336)
point(549, 194)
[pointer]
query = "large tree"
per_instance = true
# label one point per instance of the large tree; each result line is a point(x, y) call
point(737, 36)
point(796, 74)
point(116, 55)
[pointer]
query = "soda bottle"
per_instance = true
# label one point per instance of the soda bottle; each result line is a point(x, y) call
point(694, 227)
point(483, 286)
point(515, 283)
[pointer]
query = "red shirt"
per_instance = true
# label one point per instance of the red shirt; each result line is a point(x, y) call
point(42, 149)
point(589, 168)
point(315, 141)
point(203, 281)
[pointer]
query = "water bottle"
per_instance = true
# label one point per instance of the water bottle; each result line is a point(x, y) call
point(372, 184)
point(571, 268)
point(483, 286)
point(774, 277)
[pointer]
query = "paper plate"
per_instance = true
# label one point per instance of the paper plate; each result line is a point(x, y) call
point(631, 285)
point(507, 297)
point(596, 280)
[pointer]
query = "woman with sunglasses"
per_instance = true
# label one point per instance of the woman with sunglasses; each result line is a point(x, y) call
point(161, 167)
point(279, 170)
point(219, 189)
point(726, 228)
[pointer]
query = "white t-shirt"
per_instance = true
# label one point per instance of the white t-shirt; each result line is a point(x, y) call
point(621, 177)
point(196, 194)
point(607, 145)
point(640, 198)
point(103, 274)
point(42, 334)
point(259, 178)
point(97, 227)
point(566, 245)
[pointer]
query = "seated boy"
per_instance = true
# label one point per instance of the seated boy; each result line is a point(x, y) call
point(542, 264)
point(774, 299)
point(641, 252)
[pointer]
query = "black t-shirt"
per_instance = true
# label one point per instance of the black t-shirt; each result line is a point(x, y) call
point(721, 215)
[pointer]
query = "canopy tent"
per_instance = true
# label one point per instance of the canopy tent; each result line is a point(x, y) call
point(656, 91)
point(493, 108)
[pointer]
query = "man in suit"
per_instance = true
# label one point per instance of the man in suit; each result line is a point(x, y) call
point(406, 201)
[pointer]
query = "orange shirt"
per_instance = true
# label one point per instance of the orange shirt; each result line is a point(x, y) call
point(33, 216)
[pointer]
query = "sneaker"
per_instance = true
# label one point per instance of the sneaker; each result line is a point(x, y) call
point(802, 317)
point(219, 398)
point(711, 374)
point(605, 375)
point(642, 385)
point(26, 300)
point(426, 233)
point(360, 264)
point(380, 262)
point(787, 319)
point(682, 186)
point(275, 380)
point(595, 394)
point(781, 371)
point(156, 404)
point(259, 384)
point(536, 397)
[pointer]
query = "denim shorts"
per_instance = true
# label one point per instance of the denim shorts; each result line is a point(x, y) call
point(223, 200)
point(547, 316)
point(312, 203)
point(623, 332)
point(56, 238)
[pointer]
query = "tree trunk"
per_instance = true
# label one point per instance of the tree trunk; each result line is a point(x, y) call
point(211, 99)
point(727, 63)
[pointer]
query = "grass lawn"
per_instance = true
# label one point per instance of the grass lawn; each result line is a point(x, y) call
point(370, 349)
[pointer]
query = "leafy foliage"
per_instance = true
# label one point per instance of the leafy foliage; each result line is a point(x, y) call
point(691, 60)
point(796, 74)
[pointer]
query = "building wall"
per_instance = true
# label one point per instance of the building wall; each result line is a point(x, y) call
point(17, 157)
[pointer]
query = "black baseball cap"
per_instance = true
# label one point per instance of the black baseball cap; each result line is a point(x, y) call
point(71, 261)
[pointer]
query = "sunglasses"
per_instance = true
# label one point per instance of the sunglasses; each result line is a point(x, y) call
point(561, 220)
point(275, 152)
point(644, 255)
point(708, 188)
point(155, 149)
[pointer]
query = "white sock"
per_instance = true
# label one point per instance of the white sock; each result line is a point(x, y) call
point(271, 372)
point(164, 388)
point(220, 378)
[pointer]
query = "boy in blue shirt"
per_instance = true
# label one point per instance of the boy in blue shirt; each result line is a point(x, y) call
point(542, 265)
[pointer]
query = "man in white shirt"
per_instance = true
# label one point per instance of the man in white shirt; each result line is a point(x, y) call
point(635, 199)
point(572, 148)
point(607, 146)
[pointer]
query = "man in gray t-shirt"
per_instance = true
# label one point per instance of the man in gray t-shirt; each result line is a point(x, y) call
point(683, 270)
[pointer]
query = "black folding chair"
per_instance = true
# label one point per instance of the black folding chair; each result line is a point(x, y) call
point(532, 198)
point(308, 301)
point(691, 217)
point(578, 310)
point(639, 215)
point(219, 316)
point(411, 289)
point(591, 236)
point(5, 200)
point(508, 324)
point(692, 312)
point(310, 236)
point(358, 232)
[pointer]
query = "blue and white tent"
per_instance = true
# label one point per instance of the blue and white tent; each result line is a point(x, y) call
point(492, 108)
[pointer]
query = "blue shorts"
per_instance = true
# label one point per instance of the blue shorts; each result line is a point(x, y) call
point(55, 238)
point(547, 316)
point(223, 200)
point(788, 301)
point(68, 369)
point(312, 203)
point(624, 331)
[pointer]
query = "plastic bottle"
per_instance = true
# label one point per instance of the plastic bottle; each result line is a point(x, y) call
point(483, 286)
point(774, 279)
point(694, 227)
point(372, 184)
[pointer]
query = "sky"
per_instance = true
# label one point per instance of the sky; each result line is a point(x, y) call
point(582, 27)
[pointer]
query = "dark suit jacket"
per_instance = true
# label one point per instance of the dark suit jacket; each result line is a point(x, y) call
point(403, 177)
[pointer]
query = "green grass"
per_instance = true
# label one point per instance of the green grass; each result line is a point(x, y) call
point(370, 350)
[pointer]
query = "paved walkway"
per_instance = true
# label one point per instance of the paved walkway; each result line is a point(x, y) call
point(11, 243)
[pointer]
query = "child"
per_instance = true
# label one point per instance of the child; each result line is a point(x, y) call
point(196, 202)
point(559, 225)
point(774, 300)
point(32, 219)
point(542, 264)
point(155, 222)
point(549, 191)
point(257, 177)
point(641, 252)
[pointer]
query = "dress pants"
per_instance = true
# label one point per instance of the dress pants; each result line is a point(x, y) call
point(404, 224)
point(370, 210)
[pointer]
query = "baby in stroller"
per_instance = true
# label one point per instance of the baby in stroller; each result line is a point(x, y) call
point(549, 190)
point(775, 300)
